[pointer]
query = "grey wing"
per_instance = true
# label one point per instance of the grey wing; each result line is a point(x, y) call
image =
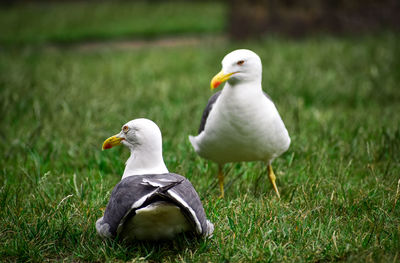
point(137, 191)
point(163, 181)
point(160, 184)
point(190, 202)
point(207, 110)
point(124, 195)
point(180, 191)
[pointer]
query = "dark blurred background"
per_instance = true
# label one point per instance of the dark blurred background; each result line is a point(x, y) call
point(299, 18)
point(244, 19)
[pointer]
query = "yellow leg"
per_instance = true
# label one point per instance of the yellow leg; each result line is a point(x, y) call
point(221, 181)
point(272, 178)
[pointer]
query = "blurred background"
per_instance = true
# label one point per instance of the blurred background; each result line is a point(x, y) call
point(30, 21)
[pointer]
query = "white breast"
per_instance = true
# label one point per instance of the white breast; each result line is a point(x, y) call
point(243, 127)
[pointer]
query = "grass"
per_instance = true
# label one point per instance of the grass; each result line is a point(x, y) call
point(23, 24)
point(339, 181)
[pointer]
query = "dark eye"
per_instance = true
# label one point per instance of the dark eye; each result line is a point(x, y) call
point(240, 62)
point(125, 129)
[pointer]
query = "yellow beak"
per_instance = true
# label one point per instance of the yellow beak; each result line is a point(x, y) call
point(111, 142)
point(220, 78)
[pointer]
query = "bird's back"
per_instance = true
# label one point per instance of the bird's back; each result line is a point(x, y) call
point(152, 207)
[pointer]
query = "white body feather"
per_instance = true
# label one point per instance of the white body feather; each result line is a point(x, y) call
point(243, 125)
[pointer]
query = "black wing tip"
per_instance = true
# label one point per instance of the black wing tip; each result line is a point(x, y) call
point(171, 185)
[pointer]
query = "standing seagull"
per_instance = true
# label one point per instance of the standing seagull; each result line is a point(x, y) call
point(149, 203)
point(241, 123)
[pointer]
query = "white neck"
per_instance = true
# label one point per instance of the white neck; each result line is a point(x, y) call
point(243, 89)
point(149, 161)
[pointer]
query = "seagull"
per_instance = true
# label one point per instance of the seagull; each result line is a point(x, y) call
point(149, 203)
point(241, 123)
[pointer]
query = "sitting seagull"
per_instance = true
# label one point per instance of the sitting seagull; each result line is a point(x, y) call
point(149, 203)
point(240, 123)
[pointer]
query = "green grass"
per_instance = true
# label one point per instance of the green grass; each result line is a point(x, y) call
point(339, 181)
point(76, 21)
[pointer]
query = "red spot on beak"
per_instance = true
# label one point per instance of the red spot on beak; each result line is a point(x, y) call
point(216, 84)
point(107, 146)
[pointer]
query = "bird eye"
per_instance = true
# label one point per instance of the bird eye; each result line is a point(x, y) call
point(240, 62)
point(125, 129)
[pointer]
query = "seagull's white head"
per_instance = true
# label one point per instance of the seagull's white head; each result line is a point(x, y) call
point(239, 66)
point(143, 138)
point(139, 133)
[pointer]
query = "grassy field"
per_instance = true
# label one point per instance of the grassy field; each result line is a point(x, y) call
point(339, 181)
point(76, 21)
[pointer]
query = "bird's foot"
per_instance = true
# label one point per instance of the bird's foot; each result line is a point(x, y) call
point(272, 178)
